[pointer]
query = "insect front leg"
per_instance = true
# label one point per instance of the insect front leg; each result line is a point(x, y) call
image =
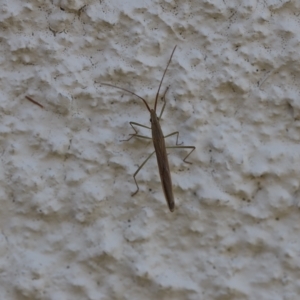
point(163, 98)
point(136, 132)
point(136, 172)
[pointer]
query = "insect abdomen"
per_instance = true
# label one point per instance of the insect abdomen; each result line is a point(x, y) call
point(162, 160)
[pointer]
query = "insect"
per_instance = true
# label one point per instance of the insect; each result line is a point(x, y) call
point(158, 141)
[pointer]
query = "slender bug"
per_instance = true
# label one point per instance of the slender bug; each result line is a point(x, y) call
point(158, 141)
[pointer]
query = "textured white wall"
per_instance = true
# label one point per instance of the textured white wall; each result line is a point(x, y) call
point(69, 226)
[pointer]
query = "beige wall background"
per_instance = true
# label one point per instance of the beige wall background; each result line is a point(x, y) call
point(69, 226)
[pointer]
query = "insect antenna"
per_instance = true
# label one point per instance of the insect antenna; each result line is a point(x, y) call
point(130, 92)
point(163, 78)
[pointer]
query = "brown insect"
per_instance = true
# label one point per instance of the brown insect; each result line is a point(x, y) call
point(158, 142)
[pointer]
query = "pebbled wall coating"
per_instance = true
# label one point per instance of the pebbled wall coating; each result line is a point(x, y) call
point(69, 226)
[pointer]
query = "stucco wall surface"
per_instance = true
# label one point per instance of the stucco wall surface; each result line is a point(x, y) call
point(70, 228)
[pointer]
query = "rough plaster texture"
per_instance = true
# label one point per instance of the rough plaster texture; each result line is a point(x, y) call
point(69, 226)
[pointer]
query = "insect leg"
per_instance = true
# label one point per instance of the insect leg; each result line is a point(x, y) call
point(163, 98)
point(136, 133)
point(173, 133)
point(138, 171)
point(184, 147)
